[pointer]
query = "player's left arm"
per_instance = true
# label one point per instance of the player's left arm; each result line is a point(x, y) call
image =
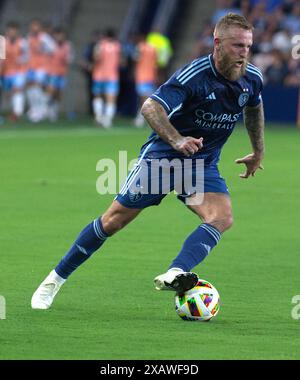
point(255, 124)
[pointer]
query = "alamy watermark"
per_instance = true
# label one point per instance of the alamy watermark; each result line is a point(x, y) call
point(296, 309)
point(148, 177)
point(2, 307)
point(2, 47)
point(296, 46)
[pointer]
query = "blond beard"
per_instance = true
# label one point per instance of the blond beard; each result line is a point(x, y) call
point(227, 69)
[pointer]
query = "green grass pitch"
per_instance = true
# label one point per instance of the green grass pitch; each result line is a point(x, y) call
point(109, 309)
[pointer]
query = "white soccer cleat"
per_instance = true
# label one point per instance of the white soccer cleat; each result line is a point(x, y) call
point(176, 279)
point(44, 295)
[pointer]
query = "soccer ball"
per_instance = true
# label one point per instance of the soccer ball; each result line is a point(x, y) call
point(200, 303)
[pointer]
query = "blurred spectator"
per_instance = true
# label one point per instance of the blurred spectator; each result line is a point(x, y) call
point(205, 41)
point(14, 69)
point(222, 8)
point(164, 51)
point(258, 18)
point(265, 44)
point(129, 56)
point(245, 7)
point(145, 74)
point(292, 20)
point(282, 41)
point(127, 98)
point(277, 71)
point(269, 5)
point(107, 60)
point(287, 6)
point(86, 64)
point(293, 77)
point(263, 61)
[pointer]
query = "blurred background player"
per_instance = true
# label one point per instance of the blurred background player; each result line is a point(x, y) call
point(145, 74)
point(14, 69)
point(86, 65)
point(107, 57)
point(164, 50)
point(62, 56)
point(41, 47)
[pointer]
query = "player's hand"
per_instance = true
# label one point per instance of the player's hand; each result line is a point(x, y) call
point(252, 162)
point(189, 145)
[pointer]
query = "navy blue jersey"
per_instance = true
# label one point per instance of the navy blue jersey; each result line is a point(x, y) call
point(200, 102)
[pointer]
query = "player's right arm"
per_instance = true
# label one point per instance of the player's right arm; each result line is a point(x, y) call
point(157, 118)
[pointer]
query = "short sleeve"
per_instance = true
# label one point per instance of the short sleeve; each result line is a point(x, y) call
point(172, 94)
point(256, 98)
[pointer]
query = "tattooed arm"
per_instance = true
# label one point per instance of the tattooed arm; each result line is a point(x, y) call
point(157, 118)
point(254, 122)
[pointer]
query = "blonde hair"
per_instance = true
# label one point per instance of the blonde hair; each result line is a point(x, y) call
point(231, 19)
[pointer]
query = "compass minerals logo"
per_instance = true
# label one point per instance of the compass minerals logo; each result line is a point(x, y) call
point(208, 120)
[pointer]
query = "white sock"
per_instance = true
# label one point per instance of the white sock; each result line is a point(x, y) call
point(18, 101)
point(176, 269)
point(35, 98)
point(31, 97)
point(53, 110)
point(110, 110)
point(98, 105)
point(44, 103)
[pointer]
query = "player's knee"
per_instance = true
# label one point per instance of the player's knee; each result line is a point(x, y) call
point(227, 222)
point(221, 223)
point(117, 217)
point(113, 223)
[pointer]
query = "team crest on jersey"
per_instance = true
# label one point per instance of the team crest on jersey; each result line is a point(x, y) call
point(243, 99)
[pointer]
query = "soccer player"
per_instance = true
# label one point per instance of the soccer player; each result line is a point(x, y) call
point(14, 69)
point(107, 57)
point(163, 47)
point(145, 74)
point(192, 116)
point(86, 65)
point(61, 59)
point(41, 48)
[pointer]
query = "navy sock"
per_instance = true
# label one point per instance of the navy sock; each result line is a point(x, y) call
point(196, 247)
point(89, 240)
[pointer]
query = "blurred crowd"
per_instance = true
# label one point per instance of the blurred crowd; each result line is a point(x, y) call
point(276, 22)
point(35, 70)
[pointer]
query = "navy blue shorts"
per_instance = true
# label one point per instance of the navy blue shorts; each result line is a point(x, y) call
point(149, 182)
